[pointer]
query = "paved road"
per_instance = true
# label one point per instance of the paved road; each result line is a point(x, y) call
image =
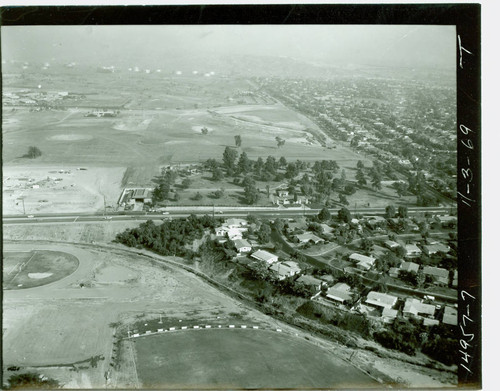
point(185, 212)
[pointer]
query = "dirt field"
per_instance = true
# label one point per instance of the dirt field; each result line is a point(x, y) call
point(240, 359)
point(62, 324)
point(59, 189)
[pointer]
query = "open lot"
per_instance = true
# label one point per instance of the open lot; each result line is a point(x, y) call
point(70, 320)
point(36, 268)
point(240, 359)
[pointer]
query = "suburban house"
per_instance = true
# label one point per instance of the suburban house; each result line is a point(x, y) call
point(394, 272)
point(391, 245)
point(285, 269)
point(436, 248)
point(242, 246)
point(310, 281)
point(282, 197)
point(454, 283)
point(235, 223)
point(264, 256)
point(309, 237)
point(412, 251)
point(363, 262)
point(232, 233)
point(440, 275)
point(376, 221)
point(326, 229)
point(389, 314)
point(409, 267)
point(415, 308)
point(340, 293)
point(450, 316)
point(446, 221)
point(380, 300)
point(430, 322)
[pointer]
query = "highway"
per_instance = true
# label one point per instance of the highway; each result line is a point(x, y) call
point(185, 212)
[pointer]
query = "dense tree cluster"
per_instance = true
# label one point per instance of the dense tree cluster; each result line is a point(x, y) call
point(169, 238)
point(33, 153)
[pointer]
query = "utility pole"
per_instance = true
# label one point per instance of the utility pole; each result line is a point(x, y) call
point(24, 209)
point(104, 214)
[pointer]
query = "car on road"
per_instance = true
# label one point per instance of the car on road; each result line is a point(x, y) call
point(107, 218)
point(166, 213)
point(30, 216)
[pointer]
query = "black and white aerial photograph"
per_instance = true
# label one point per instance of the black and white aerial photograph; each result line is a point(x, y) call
point(236, 206)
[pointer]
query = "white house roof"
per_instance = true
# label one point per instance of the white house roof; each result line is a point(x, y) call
point(410, 266)
point(389, 313)
point(338, 295)
point(306, 237)
point(381, 299)
point(450, 316)
point(412, 249)
point(416, 307)
point(309, 280)
point(265, 256)
point(439, 273)
point(241, 243)
point(362, 258)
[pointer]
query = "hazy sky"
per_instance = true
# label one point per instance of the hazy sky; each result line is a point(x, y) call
point(415, 46)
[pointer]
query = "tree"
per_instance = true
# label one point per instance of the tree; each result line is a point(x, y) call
point(279, 224)
point(237, 140)
point(33, 153)
point(30, 381)
point(197, 196)
point(403, 211)
point(204, 130)
point(324, 214)
point(360, 177)
point(270, 165)
point(360, 165)
point(342, 178)
point(280, 141)
point(219, 193)
point(343, 199)
point(344, 215)
point(264, 233)
point(282, 162)
point(186, 182)
point(400, 251)
point(217, 174)
point(376, 180)
point(401, 188)
point(251, 193)
point(244, 163)
point(390, 211)
point(366, 245)
point(229, 158)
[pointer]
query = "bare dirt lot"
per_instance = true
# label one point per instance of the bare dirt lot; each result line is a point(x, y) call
point(59, 189)
point(70, 320)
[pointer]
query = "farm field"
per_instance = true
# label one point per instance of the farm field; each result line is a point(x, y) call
point(240, 359)
point(36, 268)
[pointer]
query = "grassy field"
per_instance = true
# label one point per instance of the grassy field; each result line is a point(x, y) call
point(36, 268)
point(240, 359)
